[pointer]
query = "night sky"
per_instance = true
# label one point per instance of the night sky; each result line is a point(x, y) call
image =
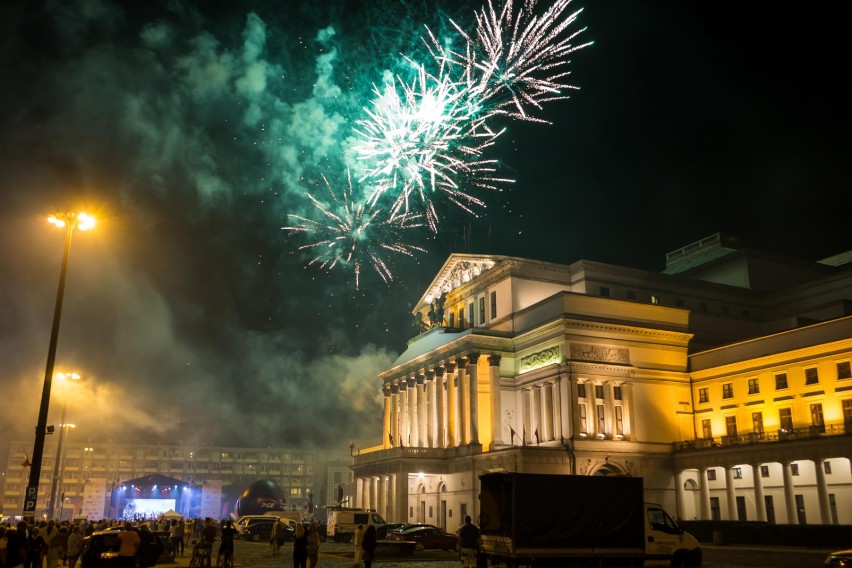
point(192, 133)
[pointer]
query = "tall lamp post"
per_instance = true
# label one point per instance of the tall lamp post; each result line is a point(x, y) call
point(51, 504)
point(70, 220)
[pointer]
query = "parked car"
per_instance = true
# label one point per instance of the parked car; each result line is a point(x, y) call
point(839, 559)
point(383, 531)
point(259, 529)
point(399, 527)
point(100, 549)
point(427, 538)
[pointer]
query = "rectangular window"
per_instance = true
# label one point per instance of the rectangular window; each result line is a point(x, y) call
point(470, 314)
point(785, 419)
point(599, 393)
point(631, 295)
point(581, 390)
point(738, 473)
point(702, 395)
point(583, 420)
point(605, 292)
point(706, 429)
point(811, 376)
point(757, 424)
point(601, 420)
point(817, 420)
point(844, 370)
point(847, 413)
point(794, 468)
point(655, 299)
point(616, 393)
point(753, 386)
point(764, 471)
point(461, 318)
point(452, 322)
point(826, 466)
point(711, 474)
point(781, 381)
point(493, 305)
point(728, 390)
point(731, 426)
point(619, 421)
point(481, 311)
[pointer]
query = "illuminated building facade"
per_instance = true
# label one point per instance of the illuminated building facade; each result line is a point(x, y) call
point(596, 369)
point(299, 473)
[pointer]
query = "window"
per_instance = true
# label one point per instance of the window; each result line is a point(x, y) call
point(847, 413)
point(764, 471)
point(452, 321)
point(631, 295)
point(826, 466)
point(731, 426)
point(702, 395)
point(599, 393)
point(781, 381)
point(583, 424)
point(817, 420)
point(794, 468)
point(605, 292)
point(616, 393)
point(461, 317)
point(785, 418)
point(711, 475)
point(655, 299)
point(738, 473)
point(753, 386)
point(757, 424)
point(493, 305)
point(706, 429)
point(728, 390)
point(470, 314)
point(481, 311)
point(844, 370)
point(601, 420)
point(811, 376)
point(619, 420)
point(581, 390)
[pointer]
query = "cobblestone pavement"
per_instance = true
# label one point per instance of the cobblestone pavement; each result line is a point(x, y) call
point(332, 555)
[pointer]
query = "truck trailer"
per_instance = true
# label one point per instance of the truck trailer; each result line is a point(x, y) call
point(578, 521)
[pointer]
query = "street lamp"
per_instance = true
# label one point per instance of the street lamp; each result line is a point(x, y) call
point(51, 504)
point(70, 220)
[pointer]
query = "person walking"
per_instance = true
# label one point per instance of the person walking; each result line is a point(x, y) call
point(468, 543)
point(276, 537)
point(74, 546)
point(368, 546)
point(359, 537)
point(313, 545)
point(226, 544)
point(300, 547)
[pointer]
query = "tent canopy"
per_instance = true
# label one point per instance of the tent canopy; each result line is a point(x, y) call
point(172, 514)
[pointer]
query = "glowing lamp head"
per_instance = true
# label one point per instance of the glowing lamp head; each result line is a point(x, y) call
point(82, 221)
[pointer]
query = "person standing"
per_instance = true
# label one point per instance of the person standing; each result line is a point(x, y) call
point(74, 546)
point(149, 547)
point(175, 538)
point(468, 543)
point(35, 549)
point(129, 546)
point(181, 532)
point(359, 537)
point(226, 544)
point(313, 545)
point(276, 537)
point(56, 547)
point(368, 546)
point(16, 546)
point(300, 547)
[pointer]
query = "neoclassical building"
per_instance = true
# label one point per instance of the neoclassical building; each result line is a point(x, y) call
point(724, 381)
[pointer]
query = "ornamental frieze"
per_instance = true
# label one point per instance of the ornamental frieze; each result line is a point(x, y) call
point(599, 353)
point(540, 359)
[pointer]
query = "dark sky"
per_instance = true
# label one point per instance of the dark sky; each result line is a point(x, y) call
point(193, 132)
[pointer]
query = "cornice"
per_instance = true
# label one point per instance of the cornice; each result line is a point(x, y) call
point(781, 359)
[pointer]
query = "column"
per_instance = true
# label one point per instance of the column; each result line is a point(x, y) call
point(430, 409)
point(440, 415)
point(359, 493)
point(731, 493)
point(452, 403)
point(412, 412)
point(496, 406)
point(420, 387)
point(393, 511)
point(526, 424)
point(627, 403)
point(759, 500)
point(395, 415)
point(822, 492)
point(381, 502)
point(789, 496)
point(386, 417)
point(547, 412)
point(705, 493)
point(559, 407)
point(402, 497)
point(374, 493)
point(403, 413)
point(535, 418)
point(461, 402)
point(473, 373)
point(681, 494)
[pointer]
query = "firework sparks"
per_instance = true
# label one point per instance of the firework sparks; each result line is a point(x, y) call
point(353, 234)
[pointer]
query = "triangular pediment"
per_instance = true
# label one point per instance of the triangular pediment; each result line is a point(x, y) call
point(459, 269)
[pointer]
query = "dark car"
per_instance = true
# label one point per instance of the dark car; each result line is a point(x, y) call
point(260, 529)
point(427, 538)
point(839, 559)
point(100, 550)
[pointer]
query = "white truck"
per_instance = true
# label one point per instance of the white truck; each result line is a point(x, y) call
point(578, 521)
point(342, 522)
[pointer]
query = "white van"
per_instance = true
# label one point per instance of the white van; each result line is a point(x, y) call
point(342, 522)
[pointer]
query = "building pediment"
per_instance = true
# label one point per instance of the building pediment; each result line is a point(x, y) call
point(459, 269)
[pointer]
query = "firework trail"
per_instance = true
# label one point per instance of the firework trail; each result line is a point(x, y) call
point(423, 142)
point(351, 233)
